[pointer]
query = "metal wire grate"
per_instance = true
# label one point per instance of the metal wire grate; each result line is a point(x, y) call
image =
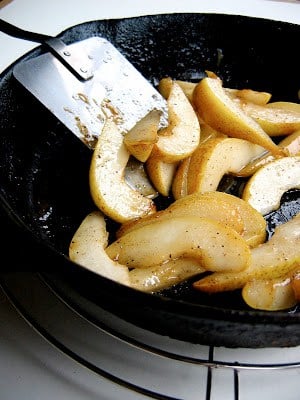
point(26, 309)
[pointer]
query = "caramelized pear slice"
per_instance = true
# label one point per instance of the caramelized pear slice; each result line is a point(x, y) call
point(217, 157)
point(165, 85)
point(295, 283)
point(249, 95)
point(227, 209)
point(87, 249)
point(265, 188)
point(269, 294)
point(271, 260)
point(215, 246)
point(290, 143)
point(181, 137)
point(222, 113)
point(163, 276)
point(160, 173)
point(179, 183)
point(109, 190)
point(223, 207)
point(219, 206)
point(141, 138)
point(275, 120)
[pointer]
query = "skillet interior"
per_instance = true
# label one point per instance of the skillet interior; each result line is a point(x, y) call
point(44, 168)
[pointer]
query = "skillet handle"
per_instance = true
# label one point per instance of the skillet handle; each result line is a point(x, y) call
point(78, 64)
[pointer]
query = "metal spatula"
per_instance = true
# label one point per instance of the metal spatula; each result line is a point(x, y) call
point(86, 82)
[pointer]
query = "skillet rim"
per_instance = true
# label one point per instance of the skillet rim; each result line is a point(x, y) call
point(177, 305)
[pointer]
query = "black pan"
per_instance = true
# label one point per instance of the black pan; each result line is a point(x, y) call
point(44, 170)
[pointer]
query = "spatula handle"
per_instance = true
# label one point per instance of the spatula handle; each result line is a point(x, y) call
point(19, 33)
point(78, 64)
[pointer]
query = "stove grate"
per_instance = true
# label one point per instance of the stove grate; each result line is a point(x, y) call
point(32, 313)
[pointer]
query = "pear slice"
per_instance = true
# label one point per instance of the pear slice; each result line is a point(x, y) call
point(271, 260)
point(163, 276)
point(109, 190)
point(223, 207)
point(179, 183)
point(222, 113)
point(165, 85)
point(215, 246)
point(285, 105)
point(264, 189)
point(295, 283)
point(87, 249)
point(269, 294)
point(290, 143)
point(226, 208)
point(181, 137)
point(276, 120)
point(219, 206)
point(217, 157)
point(253, 96)
point(141, 138)
point(160, 173)
point(249, 95)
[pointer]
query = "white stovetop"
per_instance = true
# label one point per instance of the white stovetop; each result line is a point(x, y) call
point(30, 368)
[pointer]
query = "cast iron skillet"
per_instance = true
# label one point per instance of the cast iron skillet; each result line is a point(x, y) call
point(44, 169)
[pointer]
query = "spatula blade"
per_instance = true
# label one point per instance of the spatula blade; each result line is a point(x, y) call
point(117, 90)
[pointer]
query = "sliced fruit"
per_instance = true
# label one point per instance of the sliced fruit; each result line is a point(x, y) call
point(160, 173)
point(295, 283)
point(249, 95)
point(271, 260)
point(222, 113)
point(164, 276)
point(87, 249)
point(165, 85)
point(228, 209)
point(179, 183)
point(223, 207)
point(181, 137)
point(213, 245)
point(219, 206)
point(285, 105)
point(264, 189)
point(270, 295)
point(108, 188)
point(141, 138)
point(215, 158)
point(275, 120)
point(291, 144)
point(207, 133)
point(187, 87)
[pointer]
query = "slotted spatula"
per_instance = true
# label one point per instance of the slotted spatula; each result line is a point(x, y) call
point(86, 82)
